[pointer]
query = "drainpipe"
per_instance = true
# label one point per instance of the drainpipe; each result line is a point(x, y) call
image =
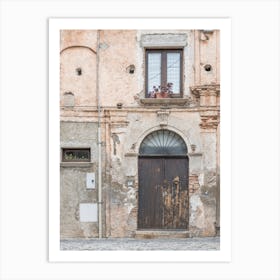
point(99, 141)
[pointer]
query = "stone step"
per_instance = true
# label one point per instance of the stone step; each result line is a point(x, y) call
point(150, 234)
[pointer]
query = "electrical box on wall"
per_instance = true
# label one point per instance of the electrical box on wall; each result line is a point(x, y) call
point(90, 180)
point(88, 212)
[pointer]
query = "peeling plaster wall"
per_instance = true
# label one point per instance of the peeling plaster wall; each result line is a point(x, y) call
point(124, 129)
point(202, 164)
point(70, 38)
point(117, 53)
point(206, 51)
point(73, 180)
point(83, 86)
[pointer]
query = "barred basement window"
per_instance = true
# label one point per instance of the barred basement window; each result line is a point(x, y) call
point(76, 155)
point(164, 73)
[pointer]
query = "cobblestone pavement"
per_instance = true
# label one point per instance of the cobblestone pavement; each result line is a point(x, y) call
point(113, 244)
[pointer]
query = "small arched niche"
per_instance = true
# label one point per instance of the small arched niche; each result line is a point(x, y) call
point(69, 99)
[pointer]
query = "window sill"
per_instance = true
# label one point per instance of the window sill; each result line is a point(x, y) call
point(169, 101)
point(76, 164)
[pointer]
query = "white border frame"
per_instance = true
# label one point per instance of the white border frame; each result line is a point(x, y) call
point(55, 254)
point(255, 108)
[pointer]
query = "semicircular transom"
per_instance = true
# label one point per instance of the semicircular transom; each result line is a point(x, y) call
point(163, 142)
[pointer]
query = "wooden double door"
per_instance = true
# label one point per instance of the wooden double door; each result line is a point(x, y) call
point(163, 192)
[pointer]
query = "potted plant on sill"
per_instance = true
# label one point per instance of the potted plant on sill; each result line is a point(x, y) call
point(161, 91)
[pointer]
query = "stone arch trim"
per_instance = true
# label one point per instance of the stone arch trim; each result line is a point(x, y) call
point(155, 128)
point(78, 46)
point(163, 142)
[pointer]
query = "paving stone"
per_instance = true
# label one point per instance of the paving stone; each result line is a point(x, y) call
point(114, 244)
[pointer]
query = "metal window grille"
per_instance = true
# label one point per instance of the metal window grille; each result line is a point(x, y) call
point(76, 155)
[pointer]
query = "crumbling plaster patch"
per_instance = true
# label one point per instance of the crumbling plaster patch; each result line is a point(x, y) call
point(197, 218)
point(130, 199)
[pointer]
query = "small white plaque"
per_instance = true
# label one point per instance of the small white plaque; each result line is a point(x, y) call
point(88, 212)
point(90, 180)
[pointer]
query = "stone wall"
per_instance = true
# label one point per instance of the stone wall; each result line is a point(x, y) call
point(194, 117)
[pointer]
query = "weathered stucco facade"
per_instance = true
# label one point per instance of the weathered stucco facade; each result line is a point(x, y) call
point(105, 88)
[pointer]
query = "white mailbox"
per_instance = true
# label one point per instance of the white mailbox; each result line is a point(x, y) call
point(90, 180)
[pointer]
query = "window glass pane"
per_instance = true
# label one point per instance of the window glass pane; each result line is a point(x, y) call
point(76, 155)
point(163, 142)
point(82, 155)
point(69, 155)
point(154, 70)
point(173, 71)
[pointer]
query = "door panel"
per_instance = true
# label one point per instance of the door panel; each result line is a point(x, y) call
point(151, 172)
point(175, 194)
point(163, 193)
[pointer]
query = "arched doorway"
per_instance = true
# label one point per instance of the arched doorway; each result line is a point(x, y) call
point(163, 169)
